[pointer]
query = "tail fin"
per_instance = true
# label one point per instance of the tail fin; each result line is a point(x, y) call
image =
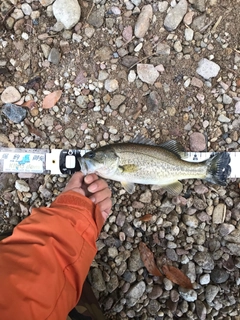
point(219, 169)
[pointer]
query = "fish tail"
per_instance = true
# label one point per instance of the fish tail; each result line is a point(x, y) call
point(218, 168)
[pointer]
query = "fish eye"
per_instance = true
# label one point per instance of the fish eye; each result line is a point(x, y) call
point(91, 154)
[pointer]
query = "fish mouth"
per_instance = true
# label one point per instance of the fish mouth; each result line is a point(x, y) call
point(86, 167)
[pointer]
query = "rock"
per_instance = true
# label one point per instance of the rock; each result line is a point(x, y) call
point(226, 229)
point(190, 221)
point(177, 46)
point(167, 206)
point(129, 277)
point(196, 82)
point(128, 230)
point(227, 99)
point(188, 295)
point(210, 292)
point(14, 220)
point(219, 275)
point(237, 107)
point(127, 33)
point(188, 18)
point(188, 34)
point(223, 118)
point(201, 310)
point(82, 102)
point(97, 280)
point(200, 189)
point(129, 61)
point(14, 113)
point(68, 12)
point(143, 21)
point(135, 293)
point(200, 5)
point(69, 133)
point(197, 142)
point(135, 262)
point(156, 292)
point(116, 101)
point(96, 17)
point(26, 9)
point(204, 279)
point(10, 94)
point(132, 76)
point(163, 49)
point(199, 204)
point(199, 22)
point(46, 3)
point(146, 197)
point(162, 6)
point(154, 101)
point(22, 186)
point(207, 69)
point(153, 307)
point(4, 142)
point(147, 73)
point(113, 283)
point(219, 213)
point(111, 85)
point(234, 248)
point(54, 56)
point(175, 15)
point(47, 120)
point(204, 260)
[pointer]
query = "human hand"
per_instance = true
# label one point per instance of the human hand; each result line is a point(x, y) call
point(95, 189)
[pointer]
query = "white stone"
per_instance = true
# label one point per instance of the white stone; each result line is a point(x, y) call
point(207, 69)
point(10, 95)
point(143, 21)
point(227, 99)
point(27, 10)
point(162, 6)
point(132, 76)
point(68, 12)
point(111, 85)
point(237, 107)
point(147, 73)
point(22, 186)
point(188, 34)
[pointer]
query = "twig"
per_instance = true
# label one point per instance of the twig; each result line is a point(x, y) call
point(90, 11)
point(151, 55)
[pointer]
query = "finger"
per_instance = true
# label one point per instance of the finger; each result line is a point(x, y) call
point(101, 195)
point(97, 185)
point(105, 206)
point(75, 181)
point(90, 178)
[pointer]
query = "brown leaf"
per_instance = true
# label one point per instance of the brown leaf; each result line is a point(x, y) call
point(177, 276)
point(148, 260)
point(146, 217)
point(51, 99)
point(30, 104)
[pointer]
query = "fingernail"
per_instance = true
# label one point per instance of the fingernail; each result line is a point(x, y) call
point(88, 179)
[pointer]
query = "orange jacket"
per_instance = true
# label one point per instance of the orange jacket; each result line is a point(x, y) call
point(44, 263)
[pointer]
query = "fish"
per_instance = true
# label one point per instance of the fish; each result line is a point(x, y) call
point(142, 162)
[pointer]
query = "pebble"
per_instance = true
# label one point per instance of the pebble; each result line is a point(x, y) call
point(219, 213)
point(227, 99)
point(188, 34)
point(96, 17)
point(146, 197)
point(46, 3)
point(69, 133)
point(223, 118)
point(196, 82)
point(201, 310)
point(200, 5)
point(111, 85)
point(190, 221)
point(127, 33)
point(162, 6)
point(219, 275)
point(143, 21)
point(207, 69)
point(96, 278)
point(22, 186)
point(188, 295)
point(135, 262)
point(54, 56)
point(175, 15)
point(26, 9)
point(147, 73)
point(226, 229)
point(116, 101)
point(132, 76)
point(237, 107)
point(210, 292)
point(204, 279)
point(14, 113)
point(204, 260)
point(135, 293)
point(156, 292)
point(67, 12)
point(82, 102)
point(10, 94)
point(188, 18)
point(197, 142)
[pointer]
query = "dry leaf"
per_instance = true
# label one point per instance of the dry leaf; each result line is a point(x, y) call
point(148, 260)
point(177, 276)
point(30, 104)
point(51, 99)
point(146, 217)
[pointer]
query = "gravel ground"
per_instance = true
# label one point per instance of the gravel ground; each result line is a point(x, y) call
point(165, 69)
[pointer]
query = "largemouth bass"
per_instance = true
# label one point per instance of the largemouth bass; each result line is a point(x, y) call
point(149, 164)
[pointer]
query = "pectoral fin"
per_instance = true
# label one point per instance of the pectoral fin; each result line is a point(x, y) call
point(130, 168)
point(173, 188)
point(128, 186)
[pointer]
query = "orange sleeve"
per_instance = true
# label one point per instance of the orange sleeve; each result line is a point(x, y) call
point(44, 263)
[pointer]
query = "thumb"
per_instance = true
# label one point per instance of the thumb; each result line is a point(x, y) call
point(75, 182)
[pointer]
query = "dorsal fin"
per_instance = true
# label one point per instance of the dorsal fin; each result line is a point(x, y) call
point(140, 139)
point(173, 146)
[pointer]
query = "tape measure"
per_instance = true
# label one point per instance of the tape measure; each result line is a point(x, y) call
point(62, 161)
